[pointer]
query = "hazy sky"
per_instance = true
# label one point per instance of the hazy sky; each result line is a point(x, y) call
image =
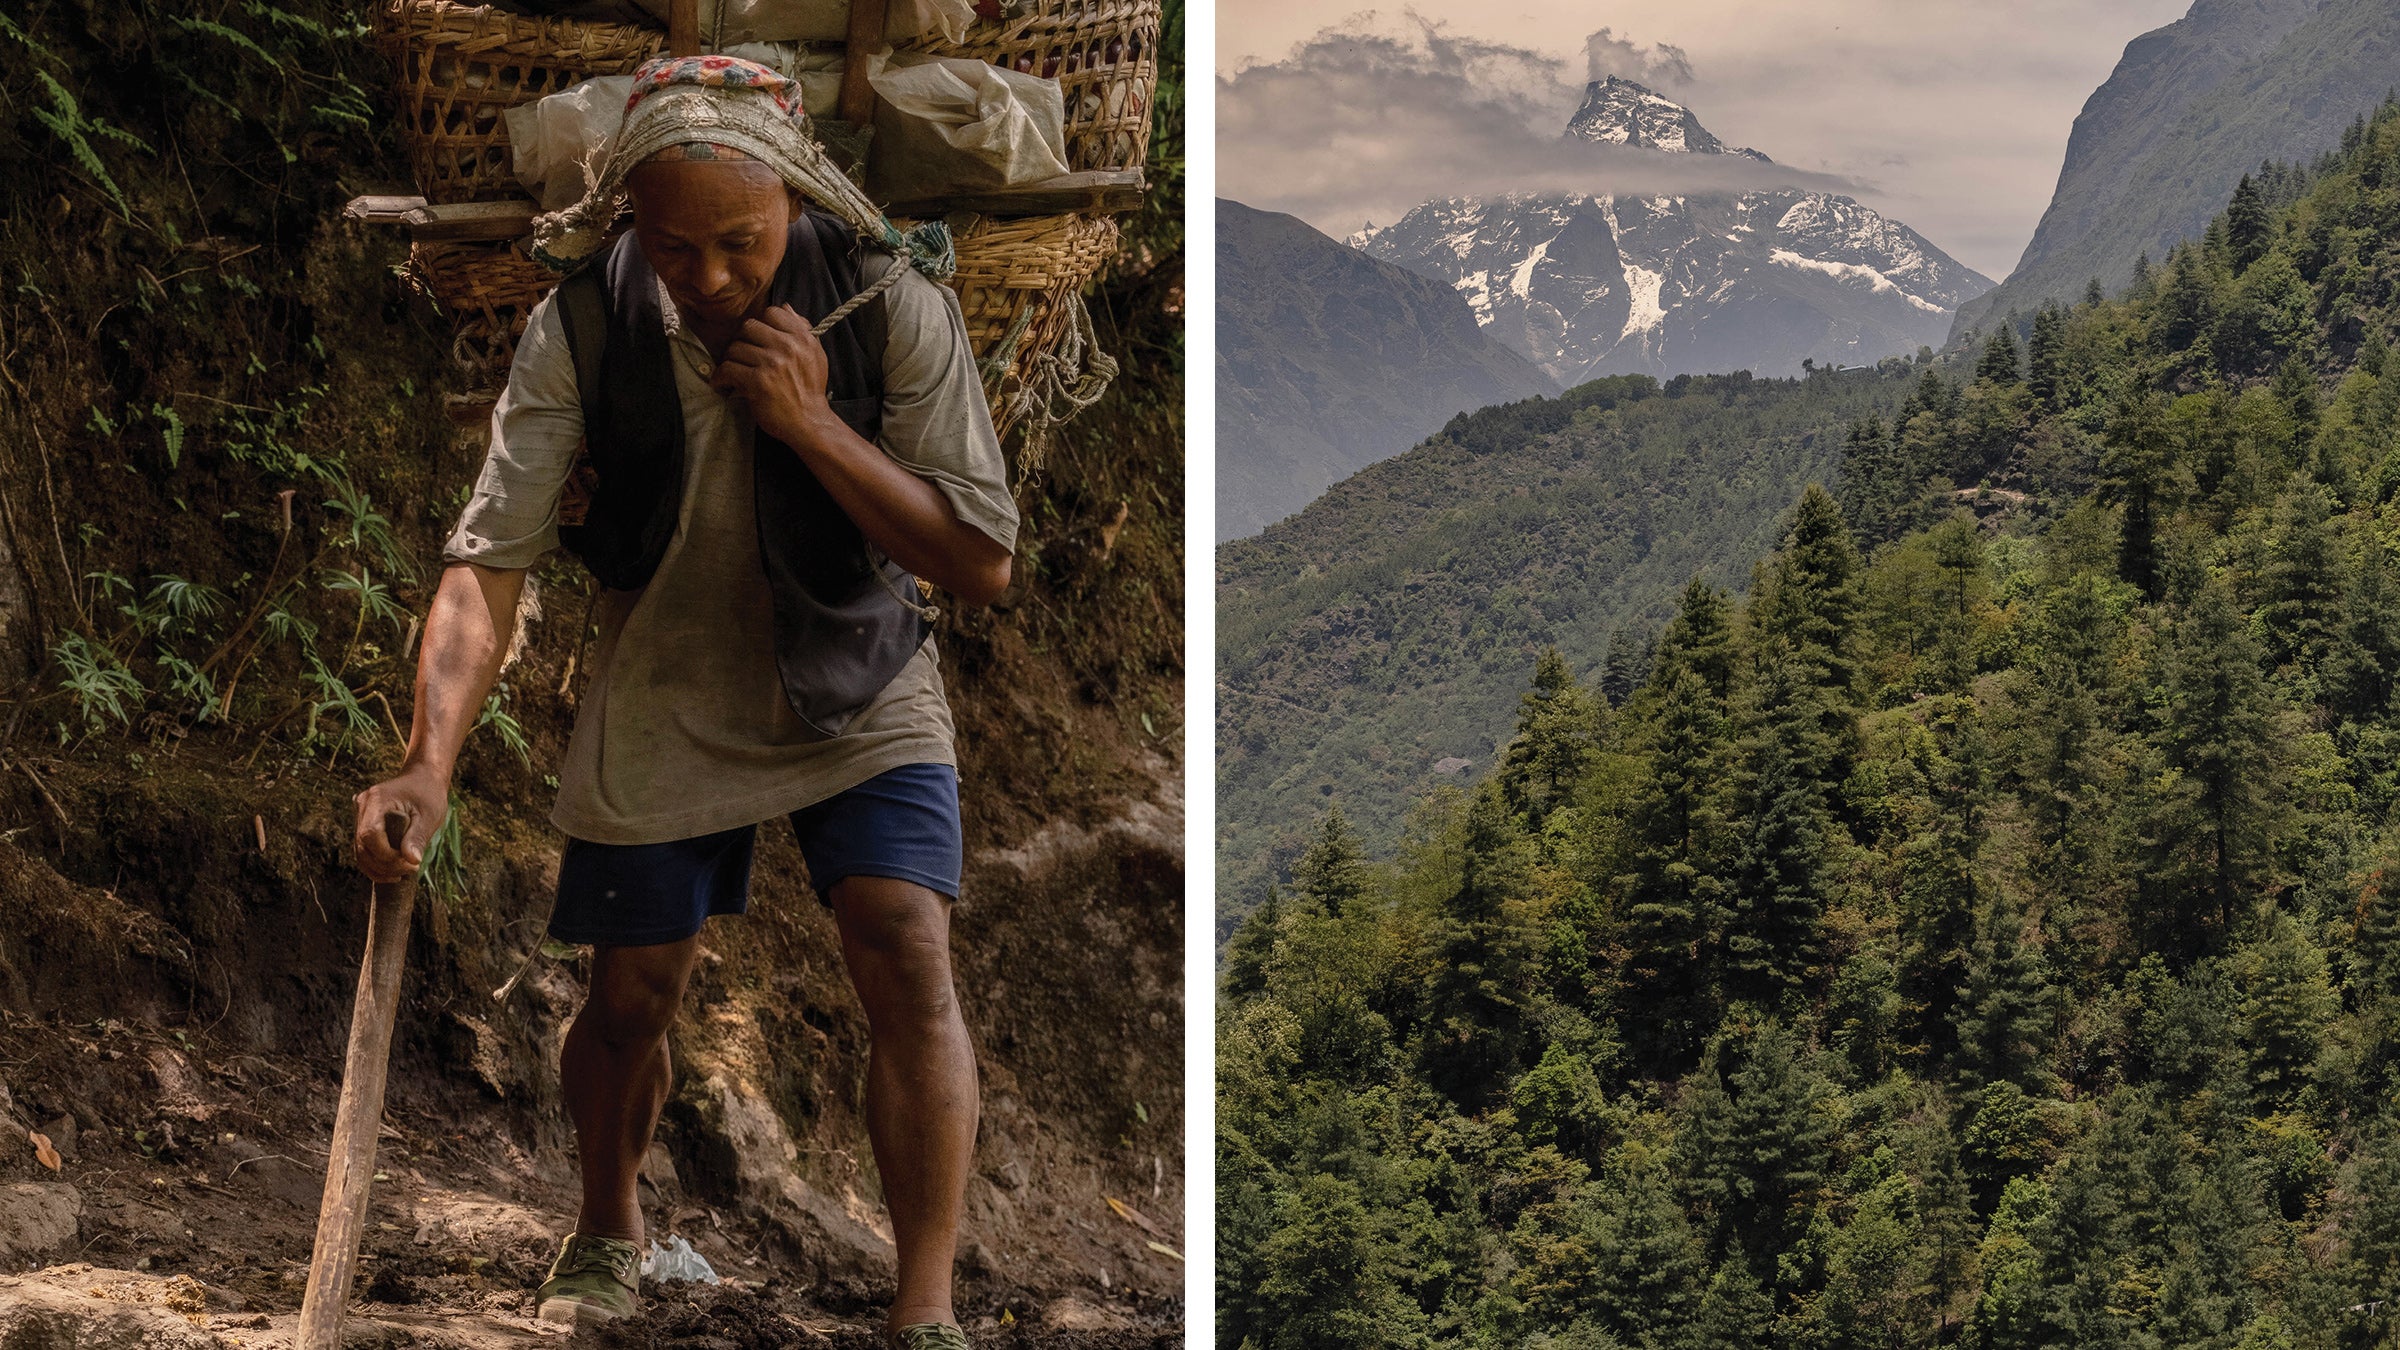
point(1948, 115)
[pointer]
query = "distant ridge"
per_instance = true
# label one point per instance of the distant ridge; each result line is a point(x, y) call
point(1329, 360)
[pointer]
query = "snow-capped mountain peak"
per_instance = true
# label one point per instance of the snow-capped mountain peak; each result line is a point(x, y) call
point(1600, 284)
point(1616, 111)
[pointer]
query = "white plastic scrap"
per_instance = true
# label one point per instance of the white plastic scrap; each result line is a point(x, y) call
point(676, 1261)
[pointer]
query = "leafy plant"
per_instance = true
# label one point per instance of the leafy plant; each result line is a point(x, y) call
point(507, 728)
point(443, 870)
point(105, 690)
point(353, 724)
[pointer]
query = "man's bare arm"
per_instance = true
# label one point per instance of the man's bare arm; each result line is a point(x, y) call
point(466, 638)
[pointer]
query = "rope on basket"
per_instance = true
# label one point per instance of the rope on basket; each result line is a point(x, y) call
point(843, 311)
point(1056, 378)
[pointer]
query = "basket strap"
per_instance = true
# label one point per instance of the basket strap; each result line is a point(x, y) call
point(583, 313)
point(855, 303)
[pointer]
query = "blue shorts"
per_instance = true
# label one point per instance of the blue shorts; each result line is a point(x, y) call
point(902, 823)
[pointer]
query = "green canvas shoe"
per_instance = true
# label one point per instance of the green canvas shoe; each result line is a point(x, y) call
point(593, 1280)
point(931, 1336)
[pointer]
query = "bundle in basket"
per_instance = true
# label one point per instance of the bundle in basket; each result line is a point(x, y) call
point(461, 66)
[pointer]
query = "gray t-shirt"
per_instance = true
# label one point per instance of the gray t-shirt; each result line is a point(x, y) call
point(684, 729)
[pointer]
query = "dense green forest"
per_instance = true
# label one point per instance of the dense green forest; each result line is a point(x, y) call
point(1389, 626)
point(1975, 932)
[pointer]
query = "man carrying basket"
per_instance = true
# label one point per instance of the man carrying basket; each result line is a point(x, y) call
point(757, 419)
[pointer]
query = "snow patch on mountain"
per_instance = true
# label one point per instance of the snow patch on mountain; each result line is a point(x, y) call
point(1519, 285)
point(1852, 272)
point(1644, 286)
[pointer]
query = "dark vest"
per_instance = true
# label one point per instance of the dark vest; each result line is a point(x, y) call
point(841, 633)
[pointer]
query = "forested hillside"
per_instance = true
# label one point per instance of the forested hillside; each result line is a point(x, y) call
point(1980, 932)
point(1387, 628)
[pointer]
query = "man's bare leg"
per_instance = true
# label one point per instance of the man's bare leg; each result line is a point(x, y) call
point(616, 1076)
point(921, 1088)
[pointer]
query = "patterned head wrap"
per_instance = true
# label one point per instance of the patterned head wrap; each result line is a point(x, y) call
point(740, 106)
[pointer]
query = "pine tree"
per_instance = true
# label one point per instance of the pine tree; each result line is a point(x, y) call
point(2093, 295)
point(2286, 1005)
point(1736, 1312)
point(1773, 931)
point(2375, 934)
point(1806, 611)
point(1755, 1143)
point(2063, 742)
point(2247, 225)
point(2007, 1010)
point(1672, 896)
point(1333, 872)
point(1872, 1295)
point(2305, 576)
point(1558, 733)
point(1326, 1282)
point(2135, 467)
point(2370, 1267)
point(2045, 355)
point(1874, 482)
point(1647, 1264)
point(2188, 302)
point(1939, 890)
point(1947, 1234)
point(1627, 667)
point(2364, 656)
point(1925, 432)
point(1250, 954)
point(1699, 639)
point(1958, 552)
point(1999, 361)
point(1478, 1004)
point(2216, 717)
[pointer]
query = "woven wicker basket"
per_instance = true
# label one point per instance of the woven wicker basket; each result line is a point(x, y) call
point(461, 66)
point(1013, 282)
point(1104, 55)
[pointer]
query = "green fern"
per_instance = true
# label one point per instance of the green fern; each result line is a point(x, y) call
point(66, 120)
point(235, 36)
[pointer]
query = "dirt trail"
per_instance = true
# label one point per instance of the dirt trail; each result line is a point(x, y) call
point(183, 1069)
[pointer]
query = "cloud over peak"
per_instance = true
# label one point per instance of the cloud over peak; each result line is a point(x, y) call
point(1370, 118)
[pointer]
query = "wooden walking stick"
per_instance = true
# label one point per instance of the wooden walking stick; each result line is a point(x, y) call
point(351, 1167)
point(683, 27)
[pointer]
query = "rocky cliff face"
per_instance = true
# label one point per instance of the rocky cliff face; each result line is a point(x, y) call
point(2192, 106)
point(1605, 284)
point(1329, 360)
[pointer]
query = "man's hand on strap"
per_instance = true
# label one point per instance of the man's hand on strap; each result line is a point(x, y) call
point(777, 365)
